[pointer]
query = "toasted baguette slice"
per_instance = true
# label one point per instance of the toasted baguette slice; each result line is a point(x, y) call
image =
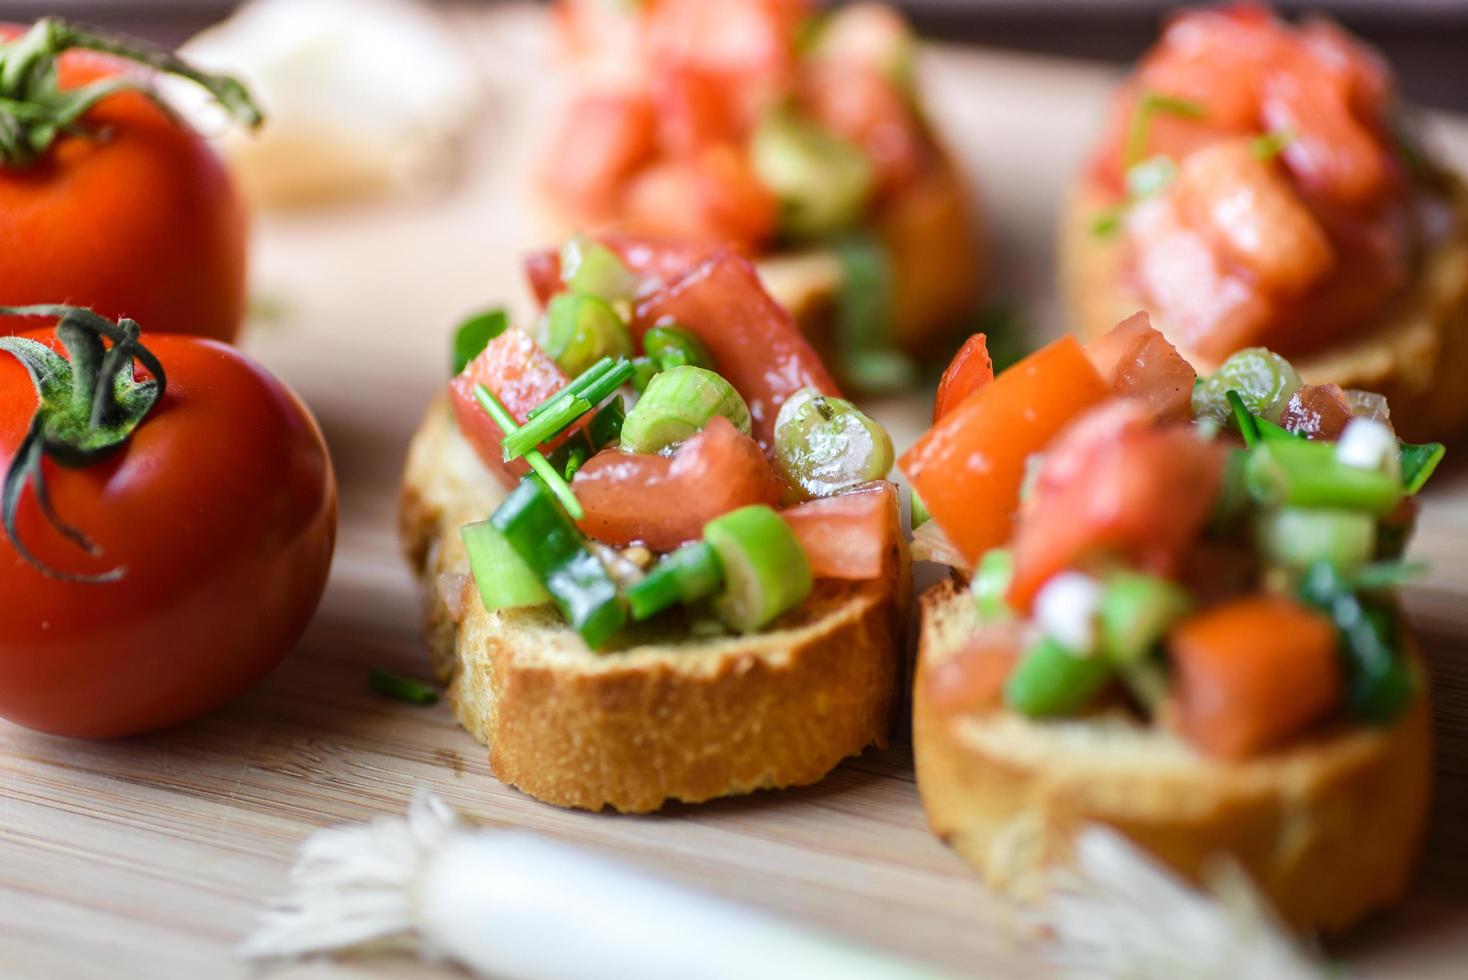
point(1416, 354)
point(1329, 827)
point(672, 718)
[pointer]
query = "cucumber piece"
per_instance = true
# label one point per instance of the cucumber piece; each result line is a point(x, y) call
point(1050, 681)
point(766, 573)
point(677, 404)
point(590, 268)
point(1136, 612)
point(580, 330)
point(503, 578)
point(1295, 538)
point(822, 181)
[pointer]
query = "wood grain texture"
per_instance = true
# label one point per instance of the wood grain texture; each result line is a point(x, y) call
point(150, 856)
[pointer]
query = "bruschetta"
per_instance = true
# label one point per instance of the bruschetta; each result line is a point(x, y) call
point(660, 555)
point(1258, 184)
point(795, 135)
point(1176, 615)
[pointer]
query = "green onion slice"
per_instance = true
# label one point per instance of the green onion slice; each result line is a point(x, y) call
point(400, 688)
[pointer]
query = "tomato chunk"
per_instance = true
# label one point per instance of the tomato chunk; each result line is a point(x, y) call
point(1138, 362)
point(968, 467)
point(521, 375)
point(664, 501)
point(753, 339)
point(974, 677)
point(1253, 672)
point(1112, 487)
point(850, 535)
point(659, 258)
point(971, 369)
point(605, 137)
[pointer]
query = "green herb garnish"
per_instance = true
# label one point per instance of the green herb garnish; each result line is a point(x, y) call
point(553, 480)
point(474, 334)
point(400, 688)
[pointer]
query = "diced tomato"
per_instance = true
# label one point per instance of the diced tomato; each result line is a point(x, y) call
point(659, 258)
point(664, 501)
point(521, 375)
point(714, 194)
point(543, 272)
point(602, 141)
point(971, 369)
point(1138, 362)
point(968, 467)
point(755, 342)
point(859, 103)
point(1317, 412)
point(1144, 494)
point(694, 110)
point(848, 536)
point(1253, 672)
point(974, 677)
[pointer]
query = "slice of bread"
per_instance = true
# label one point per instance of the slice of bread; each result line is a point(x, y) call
point(668, 718)
point(1415, 354)
point(1328, 827)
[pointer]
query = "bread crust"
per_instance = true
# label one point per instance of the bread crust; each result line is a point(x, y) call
point(1415, 353)
point(632, 728)
point(1328, 827)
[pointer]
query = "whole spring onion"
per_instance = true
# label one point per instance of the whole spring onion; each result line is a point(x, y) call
point(511, 905)
point(677, 404)
point(824, 445)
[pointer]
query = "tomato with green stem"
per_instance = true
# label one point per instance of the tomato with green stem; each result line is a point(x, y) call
point(167, 531)
point(107, 199)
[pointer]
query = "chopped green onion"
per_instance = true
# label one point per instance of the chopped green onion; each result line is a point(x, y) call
point(644, 369)
point(503, 578)
point(1382, 575)
point(544, 537)
point(822, 181)
point(1051, 681)
point(590, 268)
point(1233, 493)
point(865, 311)
point(605, 426)
point(824, 445)
point(1150, 177)
point(1295, 538)
point(1418, 464)
point(567, 458)
point(1136, 612)
point(542, 467)
point(1267, 146)
point(1108, 221)
point(1379, 680)
point(990, 584)
point(766, 572)
point(474, 334)
point(678, 403)
point(1248, 426)
point(669, 346)
point(562, 410)
point(581, 330)
point(1264, 380)
point(1149, 104)
point(920, 515)
point(1302, 473)
point(400, 688)
point(685, 576)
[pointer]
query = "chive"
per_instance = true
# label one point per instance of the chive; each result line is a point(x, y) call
point(1139, 132)
point(1243, 418)
point(687, 575)
point(400, 688)
point(1267, 146)
point(1302, 473)
point(542, 467)
point(1418, 464)
point(1150, 176)
point(1108, 222)
point(575, 387)
point(560, 411)
point(474, 334)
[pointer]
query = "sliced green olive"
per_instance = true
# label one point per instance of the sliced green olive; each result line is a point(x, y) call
point(677, 404)
point(824, 445)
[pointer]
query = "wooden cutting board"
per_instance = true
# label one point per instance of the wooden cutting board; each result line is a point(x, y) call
point(150, 856)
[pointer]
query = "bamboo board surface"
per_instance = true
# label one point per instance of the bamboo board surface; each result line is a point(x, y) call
point(151, 856)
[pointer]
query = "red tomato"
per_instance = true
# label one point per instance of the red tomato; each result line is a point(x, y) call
point(221, 508)
point(860, 104)
point(693, 110)
point(1122, 488)
point(134, 217)
point(602, 141)
point(850, 535)
point(973, 678)
point(968, 468)
point(971, 369)
point(754, 340)
point(521, 376)
point(662, 258)
point(664, 501)
point(1138, 362)
point(715, 194)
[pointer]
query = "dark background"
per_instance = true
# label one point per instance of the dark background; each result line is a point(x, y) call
point(1426, 40)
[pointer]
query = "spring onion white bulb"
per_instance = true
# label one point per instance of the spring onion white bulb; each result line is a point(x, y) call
point(505, 903)
point(1369, 445)
point(1066, 610)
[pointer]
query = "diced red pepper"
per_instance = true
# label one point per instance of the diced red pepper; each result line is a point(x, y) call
point(664, 501)
point(850, 535)
point(755, 342)
point(1138, 362)
point(971, 369)
point(521, 376)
